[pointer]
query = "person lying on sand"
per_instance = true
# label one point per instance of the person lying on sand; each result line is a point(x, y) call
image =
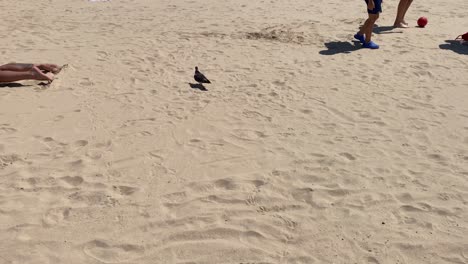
point(13, 72)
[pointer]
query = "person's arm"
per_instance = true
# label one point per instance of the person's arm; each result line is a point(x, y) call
point(371, 5)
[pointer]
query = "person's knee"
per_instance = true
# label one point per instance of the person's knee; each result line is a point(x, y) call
point(373, 17)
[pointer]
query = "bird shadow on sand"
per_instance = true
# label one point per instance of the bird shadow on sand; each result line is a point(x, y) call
point(198, 86)
point(455, 46)
point(337, 47)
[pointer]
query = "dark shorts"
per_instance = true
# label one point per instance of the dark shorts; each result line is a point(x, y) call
point(377, 9)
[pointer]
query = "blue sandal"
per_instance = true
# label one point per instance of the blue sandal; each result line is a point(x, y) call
point(361, 38)
point(370, 45)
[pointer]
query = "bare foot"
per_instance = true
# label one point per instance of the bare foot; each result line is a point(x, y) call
point(401, 25)
point(37, 74)
point(53, 68)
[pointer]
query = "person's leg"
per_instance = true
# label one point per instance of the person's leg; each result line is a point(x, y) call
point(408, 4)
point(363, 29)
point(28, 66)
point(360, 34)
point(33, 73)
point(49, 67)
point(368, 43)
point(400, 17)
point(370, 26)
point(16, 67)
point(374, 8)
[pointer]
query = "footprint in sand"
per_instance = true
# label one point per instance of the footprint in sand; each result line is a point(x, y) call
point(55, 216)
point(81, 143)
point(94, 154)
point(93, 198)
point(107, 252)
point(59, 118)
point(73, 181)
point(125, 190)
point(248, 135)
point(5, 129)
point(6, 160)
point(87, 82)
point(347, 156)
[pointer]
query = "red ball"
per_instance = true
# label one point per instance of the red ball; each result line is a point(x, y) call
point(422, 21)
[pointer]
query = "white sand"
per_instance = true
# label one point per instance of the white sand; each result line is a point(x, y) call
point(296, 154)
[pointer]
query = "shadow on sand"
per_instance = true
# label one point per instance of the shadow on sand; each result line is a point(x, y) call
point(20, 85)
point(455, 46)
point(198, 86)
point(337, 47)
point(13, 85)
point(386, 30)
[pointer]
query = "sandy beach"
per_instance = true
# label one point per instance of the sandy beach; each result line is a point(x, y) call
point(304, 149)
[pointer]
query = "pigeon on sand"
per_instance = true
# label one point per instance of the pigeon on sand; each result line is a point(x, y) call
point(199, 77)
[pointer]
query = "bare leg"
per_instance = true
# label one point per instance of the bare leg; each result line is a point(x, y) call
point(28, 66)
point(409, 2)
point(33, 73)
point(369, 26)
point(17, 67)
point(50, 68)
point(364, 27)
point(403, 7)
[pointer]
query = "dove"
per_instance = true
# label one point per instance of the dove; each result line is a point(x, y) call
point(199, 77)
